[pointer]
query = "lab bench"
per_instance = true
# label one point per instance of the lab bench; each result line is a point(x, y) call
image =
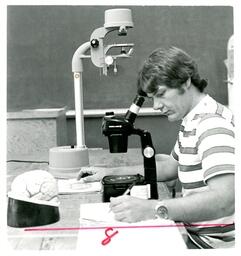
point(63, 235)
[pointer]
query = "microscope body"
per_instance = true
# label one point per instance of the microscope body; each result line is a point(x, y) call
point(118, 129)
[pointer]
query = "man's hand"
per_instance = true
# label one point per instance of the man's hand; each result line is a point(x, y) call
point(132, 209)
point(93, 173)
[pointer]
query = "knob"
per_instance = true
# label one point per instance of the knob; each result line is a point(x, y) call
point(109, 60)
point(94, 43)
point(148, 152)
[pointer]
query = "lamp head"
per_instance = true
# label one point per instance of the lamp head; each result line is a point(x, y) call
point(120, 19)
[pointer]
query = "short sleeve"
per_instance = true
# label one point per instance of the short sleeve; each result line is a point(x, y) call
point(175, 151)
point(216, 146)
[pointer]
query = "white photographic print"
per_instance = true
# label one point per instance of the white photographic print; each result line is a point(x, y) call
point(120, 127)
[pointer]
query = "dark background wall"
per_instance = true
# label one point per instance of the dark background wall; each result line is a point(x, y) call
point(43, 39)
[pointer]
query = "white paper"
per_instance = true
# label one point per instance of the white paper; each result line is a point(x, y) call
point(68, 186)
point(139, 238)
point(141, 191)
point(100, 213)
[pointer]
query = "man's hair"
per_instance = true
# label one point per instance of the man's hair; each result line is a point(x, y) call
point(171, 67)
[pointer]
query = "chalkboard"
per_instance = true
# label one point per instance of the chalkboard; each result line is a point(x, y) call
point(41, 41)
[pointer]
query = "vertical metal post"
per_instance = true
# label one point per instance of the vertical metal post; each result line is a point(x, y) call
point(79, 113)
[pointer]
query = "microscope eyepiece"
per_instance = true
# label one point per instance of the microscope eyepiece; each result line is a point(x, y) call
point(134, 108)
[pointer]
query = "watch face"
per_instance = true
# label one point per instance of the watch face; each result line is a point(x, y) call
point(162, 212)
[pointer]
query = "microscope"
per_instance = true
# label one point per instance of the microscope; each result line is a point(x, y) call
point(118, 129)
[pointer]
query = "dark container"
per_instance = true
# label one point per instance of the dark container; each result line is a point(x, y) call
point(116, 185)
point(28, 214)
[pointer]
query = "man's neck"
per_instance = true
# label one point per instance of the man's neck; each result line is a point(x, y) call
point(197, 96)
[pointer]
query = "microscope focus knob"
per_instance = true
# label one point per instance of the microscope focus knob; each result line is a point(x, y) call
point(94, 43)
point(148, 152)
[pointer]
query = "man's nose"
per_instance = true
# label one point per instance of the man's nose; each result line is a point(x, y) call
point(157, 104)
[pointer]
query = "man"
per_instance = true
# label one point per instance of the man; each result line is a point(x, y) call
point(202, 158)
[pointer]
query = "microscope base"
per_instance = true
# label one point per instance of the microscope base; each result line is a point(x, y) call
point(65, 162)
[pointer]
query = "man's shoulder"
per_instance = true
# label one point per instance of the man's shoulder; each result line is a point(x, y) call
point(217, 118)
point(214, 111)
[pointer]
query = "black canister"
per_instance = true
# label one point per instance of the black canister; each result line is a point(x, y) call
point(116, 185)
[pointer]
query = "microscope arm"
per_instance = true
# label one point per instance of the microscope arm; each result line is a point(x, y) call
point(148, 153)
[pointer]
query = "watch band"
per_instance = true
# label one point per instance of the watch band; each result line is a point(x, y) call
point(161, 211)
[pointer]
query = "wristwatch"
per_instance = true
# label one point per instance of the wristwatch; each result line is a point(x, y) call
point(161, 211)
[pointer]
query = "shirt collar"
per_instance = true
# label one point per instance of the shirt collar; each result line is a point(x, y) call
point(199, 108)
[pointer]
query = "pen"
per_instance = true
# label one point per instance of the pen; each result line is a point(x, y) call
point(127, 191)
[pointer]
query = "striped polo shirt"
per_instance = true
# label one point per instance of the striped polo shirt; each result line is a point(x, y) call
point(204, 149)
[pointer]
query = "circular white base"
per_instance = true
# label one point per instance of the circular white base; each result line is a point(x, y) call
point(65, 162)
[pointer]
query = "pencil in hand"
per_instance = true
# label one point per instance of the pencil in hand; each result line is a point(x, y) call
point(129, 189)
point(126, 192)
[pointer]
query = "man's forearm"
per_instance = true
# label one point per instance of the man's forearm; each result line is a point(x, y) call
point(198, 207)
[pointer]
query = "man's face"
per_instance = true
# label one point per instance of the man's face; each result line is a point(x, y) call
point(171, 102)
